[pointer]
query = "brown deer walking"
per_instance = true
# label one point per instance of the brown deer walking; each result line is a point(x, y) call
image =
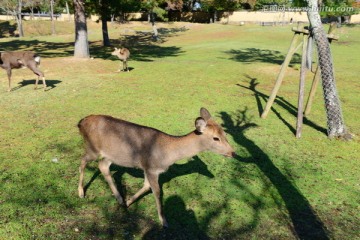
point(123, 54)
point(15, 60)
point(130, 145)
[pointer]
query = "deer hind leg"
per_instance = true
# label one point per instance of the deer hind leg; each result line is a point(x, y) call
point(38, 74)
point(8, 71)
point(104, 166)
point(87, 158)
point(153, 179)
point(143, 190)
point(127, 69)
point(36, 82)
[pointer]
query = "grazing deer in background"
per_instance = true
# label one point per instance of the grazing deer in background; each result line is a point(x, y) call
point(15, 60)
point(123, 54)
point(130, 145)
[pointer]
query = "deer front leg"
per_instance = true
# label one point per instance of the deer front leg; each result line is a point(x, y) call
point(104, 167)
point(153, 179)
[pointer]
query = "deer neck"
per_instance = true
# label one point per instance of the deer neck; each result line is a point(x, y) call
point(181, 147)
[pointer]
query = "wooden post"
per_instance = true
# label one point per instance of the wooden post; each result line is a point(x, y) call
point(280, 77)
point(312, 91)
point(300, 116)
point(297, 31)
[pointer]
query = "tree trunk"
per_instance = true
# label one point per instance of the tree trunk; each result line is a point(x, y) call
point(67, 10)
point(19, 19)
point(335, 122)
point(152, 20)
point(32, 12)
point(104, 27)
point(106, 40)
point(81, 36)
point(53, 32)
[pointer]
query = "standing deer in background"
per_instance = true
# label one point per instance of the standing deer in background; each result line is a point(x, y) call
point(130, 145)
point(15, 60)
point(123, 54)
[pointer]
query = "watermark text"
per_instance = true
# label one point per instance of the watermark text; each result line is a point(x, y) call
point(282, 8)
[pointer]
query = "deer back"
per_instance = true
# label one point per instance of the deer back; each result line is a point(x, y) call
point(18, 59)
point(125, 143)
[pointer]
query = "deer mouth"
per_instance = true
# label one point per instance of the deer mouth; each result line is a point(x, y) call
point(230, 155)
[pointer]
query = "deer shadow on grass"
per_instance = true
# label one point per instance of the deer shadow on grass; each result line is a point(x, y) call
point(174, 207)
point(196, 165)
point(306, 223)
point(183, 223)
point(281, 102)
point(126, 223)
point(51, 84)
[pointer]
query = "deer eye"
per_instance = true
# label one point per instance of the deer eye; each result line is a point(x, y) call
point(216, 139)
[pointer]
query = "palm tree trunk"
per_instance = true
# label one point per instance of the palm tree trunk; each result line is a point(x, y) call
point(335, 122)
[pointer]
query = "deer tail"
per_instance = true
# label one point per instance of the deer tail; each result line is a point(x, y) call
point(37, 59)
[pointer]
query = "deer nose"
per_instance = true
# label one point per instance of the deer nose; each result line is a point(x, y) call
point(230, 154)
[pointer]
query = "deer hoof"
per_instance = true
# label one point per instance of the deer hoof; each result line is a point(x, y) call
point(120, 201)
point(165, 224)
point(81, 193)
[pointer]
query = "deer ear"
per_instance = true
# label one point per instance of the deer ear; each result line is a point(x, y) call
point(116, 49)
point(204, 113)
point(200, 124)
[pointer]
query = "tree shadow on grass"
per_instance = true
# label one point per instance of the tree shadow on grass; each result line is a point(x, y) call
point(141, 46)
point(7, 29)
point(251, 55)
point(306, 223)
point(43, 48)
point(279, 101)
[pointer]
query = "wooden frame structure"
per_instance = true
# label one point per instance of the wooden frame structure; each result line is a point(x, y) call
point(294, 46)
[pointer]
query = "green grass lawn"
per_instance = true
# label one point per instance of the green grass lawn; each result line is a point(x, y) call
point(279, 187)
